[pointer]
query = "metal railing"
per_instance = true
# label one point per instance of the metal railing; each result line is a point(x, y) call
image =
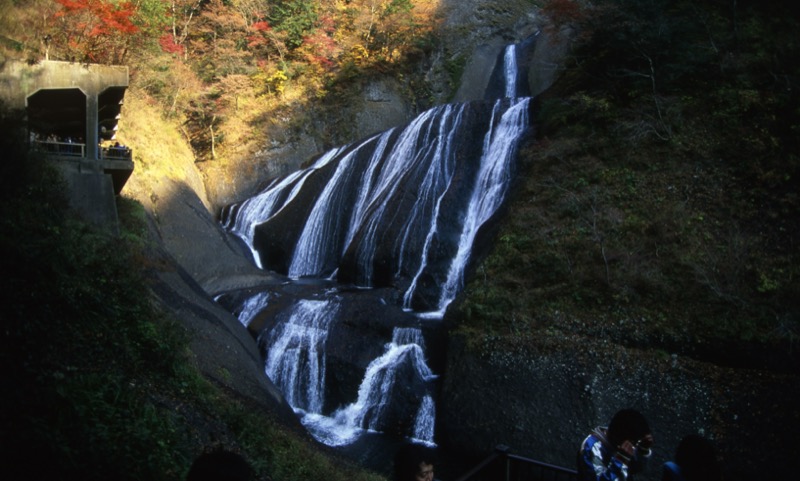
point(69, 149)
point(72, 149)
point(116, 153)
point(501, 465)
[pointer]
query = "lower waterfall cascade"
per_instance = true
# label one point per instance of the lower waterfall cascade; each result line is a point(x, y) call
point(393, 219)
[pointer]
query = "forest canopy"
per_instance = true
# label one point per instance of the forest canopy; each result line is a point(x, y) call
point(200, 57)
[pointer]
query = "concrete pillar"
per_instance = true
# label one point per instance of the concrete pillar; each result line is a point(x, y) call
point(92, 133)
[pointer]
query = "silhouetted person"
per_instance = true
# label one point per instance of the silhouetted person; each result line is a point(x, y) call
point(414, 462)
point(695, 460)
point(618, 451)
point(220, 466)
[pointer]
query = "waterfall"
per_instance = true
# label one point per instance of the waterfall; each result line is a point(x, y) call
point(489, 192)
point(296, 354)
point(406, 159)
point(312, 247)
point(368, 191)
point(426, 416)
point(296, 363)
point(252, 306)
point(510, 70)
point(380, 378)
point(260, 208)
point(390, 202)
point(402, 210)
point(376, 393)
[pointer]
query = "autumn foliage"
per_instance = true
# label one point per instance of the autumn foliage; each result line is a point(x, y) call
point(95, 30)
point(170, 45)
point(202, 59)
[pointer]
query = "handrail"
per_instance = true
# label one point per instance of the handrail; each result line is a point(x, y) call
point(469, 475)
point(501, 465)
point(71, 149)
point(116, 153)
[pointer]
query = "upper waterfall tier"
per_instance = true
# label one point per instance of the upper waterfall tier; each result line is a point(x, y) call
point(395, 209)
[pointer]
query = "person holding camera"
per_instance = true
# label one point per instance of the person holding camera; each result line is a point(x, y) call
point(616, 452)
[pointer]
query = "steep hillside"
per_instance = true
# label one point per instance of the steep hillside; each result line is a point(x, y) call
point(650, 255)
point(115, 363)
point(168, 185)
point(662, 186)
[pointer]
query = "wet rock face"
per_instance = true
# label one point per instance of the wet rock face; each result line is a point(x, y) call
point(542, 400)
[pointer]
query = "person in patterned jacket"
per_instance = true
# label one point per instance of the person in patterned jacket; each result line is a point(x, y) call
point(616, 452)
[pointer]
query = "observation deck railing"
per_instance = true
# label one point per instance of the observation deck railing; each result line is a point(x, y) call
point(68, 149)
point(116, 153)
point(501, 465)
point(78, 150)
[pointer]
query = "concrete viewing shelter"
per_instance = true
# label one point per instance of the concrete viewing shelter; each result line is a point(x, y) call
point(72, 110)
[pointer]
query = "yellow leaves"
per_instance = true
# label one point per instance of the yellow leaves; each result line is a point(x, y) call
point(273, 83)
point(277, 81)
point(359, 54)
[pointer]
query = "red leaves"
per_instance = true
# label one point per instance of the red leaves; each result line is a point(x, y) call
point(320, 49)
point(257, 39)
point(74, 4)
point(97, 30)
point(168, 44)
point(261, 26)
point(104, 17)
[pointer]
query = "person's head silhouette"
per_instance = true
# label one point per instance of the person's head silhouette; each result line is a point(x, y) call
point(695, 460)
point(627, 425)
point(220, 466)
point(414, 462)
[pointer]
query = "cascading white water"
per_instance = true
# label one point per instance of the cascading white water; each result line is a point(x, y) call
point(311, 250)
point(489, 193)
point(449, 181)
point(404, 157)
point(379, 380)
point(376, 390)
point(252, 306)
point(433, 189)
point(368, 189)
point(296, 356)
point(491, 183)
point(425, 420)
point(260, 208)
point(510, 70)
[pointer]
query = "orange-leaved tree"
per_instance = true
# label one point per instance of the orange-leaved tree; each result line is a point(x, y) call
point(99, 31)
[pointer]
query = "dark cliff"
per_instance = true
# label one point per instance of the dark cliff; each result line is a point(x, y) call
point(648, 258)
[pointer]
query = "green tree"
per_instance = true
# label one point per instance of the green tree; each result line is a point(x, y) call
point(152, 17)
point(295, 17)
